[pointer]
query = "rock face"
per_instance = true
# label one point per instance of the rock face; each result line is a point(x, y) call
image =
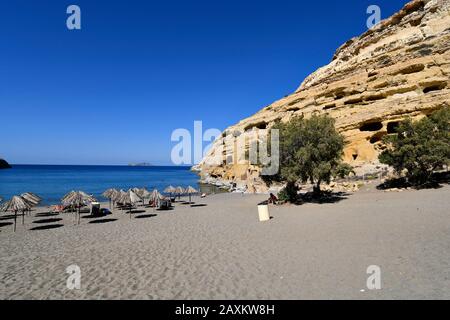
point(399, 68)
point(4, 164)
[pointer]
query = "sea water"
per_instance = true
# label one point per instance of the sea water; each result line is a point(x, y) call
point(52, 182)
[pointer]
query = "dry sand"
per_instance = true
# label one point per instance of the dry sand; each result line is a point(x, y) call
point(221, 251)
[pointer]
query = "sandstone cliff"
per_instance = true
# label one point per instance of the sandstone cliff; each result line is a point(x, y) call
point(399, 68)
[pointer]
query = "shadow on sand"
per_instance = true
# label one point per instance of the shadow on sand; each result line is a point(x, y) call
point(324, 197)
point(198, 205)
point(4, 224)
point(47, 227)
point(103, 220)
point(144, 216)
point(91, 216)
point(437, 180)
point(165, 209)
point(42, 221)
point(135, 211)
point(46, 214)
point(7, 217)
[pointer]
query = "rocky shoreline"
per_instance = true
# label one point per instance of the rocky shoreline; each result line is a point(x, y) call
point(363, 174)
point(4, 164)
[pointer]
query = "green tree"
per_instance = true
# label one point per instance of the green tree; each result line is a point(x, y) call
point(419, 148)
point(310, 150)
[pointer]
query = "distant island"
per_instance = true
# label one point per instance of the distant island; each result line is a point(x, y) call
point(4, 164)
point(142, 164)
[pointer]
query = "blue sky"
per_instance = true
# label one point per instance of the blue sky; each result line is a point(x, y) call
point(113, 92)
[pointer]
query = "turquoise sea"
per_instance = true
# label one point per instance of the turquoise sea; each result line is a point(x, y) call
point(51, 182)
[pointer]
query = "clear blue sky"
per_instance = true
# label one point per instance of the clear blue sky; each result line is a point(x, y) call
point(113, 92)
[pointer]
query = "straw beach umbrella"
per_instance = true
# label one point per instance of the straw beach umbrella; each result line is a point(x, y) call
point(144, 194)
point(16, 204)
point(77, 199)
point(82, 196)
point(190, 191)
point(179, 191)
point(155, 197)
point(110, 194)
point(170, 190)
point(129, 198)
point(117, 196)
point(31, 198)
point(68, 195)
point(136, 190)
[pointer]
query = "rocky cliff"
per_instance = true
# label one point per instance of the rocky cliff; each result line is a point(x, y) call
point(399, 68)
point(4, 164)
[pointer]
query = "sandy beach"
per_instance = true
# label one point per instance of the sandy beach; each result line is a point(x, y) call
point(219, 250)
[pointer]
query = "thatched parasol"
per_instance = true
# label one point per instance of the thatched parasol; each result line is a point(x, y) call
point(68, 195)
point(110, 195)
point(77, 199)
point(17, 203)
point(155, 196)
point(117, 196)
point(31, 198)
point(144, 194)
point(170, 190)
point(129, 198)
point(190, 191)
point(179, 191)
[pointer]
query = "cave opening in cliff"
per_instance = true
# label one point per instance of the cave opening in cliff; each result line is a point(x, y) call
point(392, 127)
point(435, 87)
point(355, 156)
point(339, 96)
point(377, 137)
point(371, 126)
point(330, 106)
point(260, 125)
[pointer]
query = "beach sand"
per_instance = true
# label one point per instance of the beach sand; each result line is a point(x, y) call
point(219, 250)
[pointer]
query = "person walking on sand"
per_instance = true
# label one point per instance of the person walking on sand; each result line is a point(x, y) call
point(273, 199)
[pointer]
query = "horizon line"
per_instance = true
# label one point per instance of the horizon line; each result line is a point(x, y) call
point(99, 165)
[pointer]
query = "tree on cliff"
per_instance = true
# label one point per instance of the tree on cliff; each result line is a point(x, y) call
point(419, 148)
point(310, 150)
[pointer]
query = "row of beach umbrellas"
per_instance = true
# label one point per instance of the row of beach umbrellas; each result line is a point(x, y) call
point(77, 199)
point(179, 191)
point(135, 195)
point(21, 203)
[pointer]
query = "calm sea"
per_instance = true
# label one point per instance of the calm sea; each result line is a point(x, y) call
point(53, 182)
